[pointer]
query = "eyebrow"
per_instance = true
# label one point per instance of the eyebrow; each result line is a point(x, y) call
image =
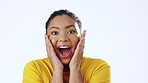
point(54, 28)
point(70, 26)
point(65, 27)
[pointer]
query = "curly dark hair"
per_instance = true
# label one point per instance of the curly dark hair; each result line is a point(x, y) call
point(61, 12)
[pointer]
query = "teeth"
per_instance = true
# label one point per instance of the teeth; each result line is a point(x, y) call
point(64, 47)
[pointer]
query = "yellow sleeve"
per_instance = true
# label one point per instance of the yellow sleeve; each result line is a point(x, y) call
point(101, 74)
point(31, 74)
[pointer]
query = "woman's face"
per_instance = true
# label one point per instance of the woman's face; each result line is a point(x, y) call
point(63, 35)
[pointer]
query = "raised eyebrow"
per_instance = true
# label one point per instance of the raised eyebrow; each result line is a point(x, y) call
point(70, 26)
point(54, 28)
point(65, 27)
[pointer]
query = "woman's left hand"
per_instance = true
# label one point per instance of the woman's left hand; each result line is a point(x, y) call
point(76, 59)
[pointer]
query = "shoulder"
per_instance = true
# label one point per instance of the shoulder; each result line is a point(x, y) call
point(92, 64)
point(38, 64)
point(95, 70)
point(37, 70)
point(87, 60)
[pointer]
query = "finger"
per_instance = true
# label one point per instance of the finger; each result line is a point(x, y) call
point(82, 41)
point(47, 44)
point(82, 37)
point(46, 39)
point(81, 44)
point(50, 46)
point(83, 34)
point(80, 47)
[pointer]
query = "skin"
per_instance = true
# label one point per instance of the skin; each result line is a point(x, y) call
point(62, 31)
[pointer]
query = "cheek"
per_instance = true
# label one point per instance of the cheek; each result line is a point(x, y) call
point(75, 41)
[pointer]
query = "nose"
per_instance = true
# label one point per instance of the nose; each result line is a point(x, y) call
point(63, 38)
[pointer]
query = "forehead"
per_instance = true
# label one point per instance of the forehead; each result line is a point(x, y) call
point(61, 21)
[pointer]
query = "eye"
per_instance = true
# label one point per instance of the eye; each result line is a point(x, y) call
point(54, 33)
point(71, 32)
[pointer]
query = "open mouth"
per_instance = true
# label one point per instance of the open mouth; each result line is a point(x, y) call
point(64, 51)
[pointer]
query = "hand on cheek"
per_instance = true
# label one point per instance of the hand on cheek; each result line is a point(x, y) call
point(56, 63)
point(76, 59)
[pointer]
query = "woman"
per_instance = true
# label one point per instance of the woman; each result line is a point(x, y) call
point(65, 62)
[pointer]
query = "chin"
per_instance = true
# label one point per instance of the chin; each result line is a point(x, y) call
point(66, 61)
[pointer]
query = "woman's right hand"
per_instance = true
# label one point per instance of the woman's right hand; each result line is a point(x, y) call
point(56, 63)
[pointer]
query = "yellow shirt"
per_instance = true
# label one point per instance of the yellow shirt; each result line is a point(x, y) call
point(92, 71)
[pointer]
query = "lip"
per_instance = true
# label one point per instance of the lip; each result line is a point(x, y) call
point(65, 57)
point(68, 56)
point(64, 45)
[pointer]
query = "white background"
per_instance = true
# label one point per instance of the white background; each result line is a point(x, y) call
point(117, 32)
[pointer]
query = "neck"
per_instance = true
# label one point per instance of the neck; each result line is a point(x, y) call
point(66, 68)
